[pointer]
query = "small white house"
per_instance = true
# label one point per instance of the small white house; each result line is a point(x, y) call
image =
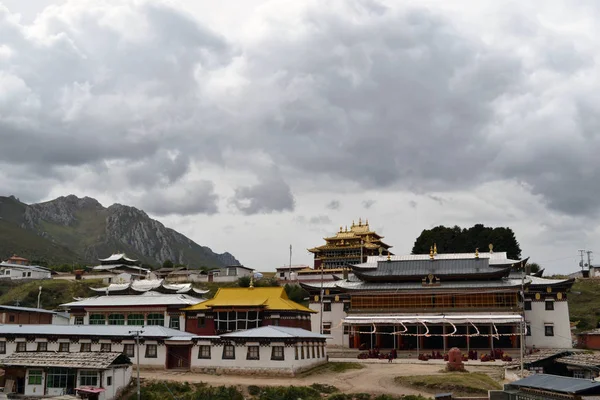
point(97, 375)
point(20, 272)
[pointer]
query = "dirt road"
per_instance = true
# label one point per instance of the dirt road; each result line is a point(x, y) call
point(374, 378)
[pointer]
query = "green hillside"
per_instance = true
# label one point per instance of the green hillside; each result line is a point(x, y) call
point(584, 303)
point(54, 292)
point(16, 240)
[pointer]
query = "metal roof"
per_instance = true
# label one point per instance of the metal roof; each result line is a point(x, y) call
point(499, 258)
point(116, 257)
point(275, 332)
point(88, 360)
point(561, 384)
point(89, 330)
point(499, 284)
point(145, 299)
point(591, 361)
point(109, 267)
point(27, 309)
point(456, 318)
point(26, 267)
point(441, 268)
point(146, 285)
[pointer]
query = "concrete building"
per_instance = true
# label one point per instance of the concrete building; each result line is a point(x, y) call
point(267, 350)
point(19, 268)
point(27, 315)
point(438, 301)
point(149, 308)
point(233, 309)
point(96, 375)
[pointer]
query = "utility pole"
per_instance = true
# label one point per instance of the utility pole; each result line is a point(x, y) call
point(522, 321)
point(322, 293)
point(39, 295)
point(136, 334)
point(290, 269)
point(581, 252)
point(589, 258)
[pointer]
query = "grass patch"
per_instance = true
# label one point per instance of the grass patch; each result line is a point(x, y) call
point(584, 303)
point(335, 367)
point(54, 292)
point(459, 383)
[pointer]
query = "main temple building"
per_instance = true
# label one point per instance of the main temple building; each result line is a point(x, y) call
point(438, 301)
point(349, 246)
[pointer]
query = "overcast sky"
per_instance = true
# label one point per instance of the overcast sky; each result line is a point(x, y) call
point(250, 125)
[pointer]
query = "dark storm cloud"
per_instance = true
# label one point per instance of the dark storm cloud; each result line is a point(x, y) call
point(196, 198)
point(357, 93)
point(269, 195)
point(367, 204)
point(333, 205)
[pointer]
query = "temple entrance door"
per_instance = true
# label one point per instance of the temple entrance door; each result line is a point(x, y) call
point(479, 342)
point(386, 338)
point(504, 341)
point(178, 357)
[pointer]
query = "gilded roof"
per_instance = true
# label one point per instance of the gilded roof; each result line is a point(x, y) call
point(271, 298)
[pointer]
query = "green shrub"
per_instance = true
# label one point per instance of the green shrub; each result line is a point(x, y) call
point(340, 396)
point(324, 388)
point(254, 390)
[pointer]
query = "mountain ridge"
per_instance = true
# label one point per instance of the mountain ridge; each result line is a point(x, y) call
point(88, 230)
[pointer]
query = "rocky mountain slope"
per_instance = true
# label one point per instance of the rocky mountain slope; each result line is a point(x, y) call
point(84, 229)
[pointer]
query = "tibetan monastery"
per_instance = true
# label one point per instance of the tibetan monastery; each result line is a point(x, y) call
point(349, 247)
point(438, 301)
point(119, 263)
point(234, 309)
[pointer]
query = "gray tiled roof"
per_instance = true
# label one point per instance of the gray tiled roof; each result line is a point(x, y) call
point(92, 359)
point(148, 298)
point(274, 332)
point(503, 283)
point(89, 330)
point(561, 384)
point(443, 267)
point(27, 309)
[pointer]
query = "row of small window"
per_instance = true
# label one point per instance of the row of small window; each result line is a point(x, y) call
point(132, 319)
point(64, 347)
point(548, 330)
point(59, 377)
point(253, 353)
point(317, 351)
point(549, 305)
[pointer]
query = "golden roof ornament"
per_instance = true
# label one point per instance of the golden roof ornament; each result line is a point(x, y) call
point(367, 222)
point(353, 223)
point(360, 222)
point(252, 280)
point(435, 249)
point(491, 247)
point(346, 228)
point(431, 253)
point(380, 251)
point(477, 253)
point(389, 257)
point(341, 229)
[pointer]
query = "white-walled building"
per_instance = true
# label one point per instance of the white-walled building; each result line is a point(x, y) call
point(43, 374)
point(148, 308)
point(271, 350)
point(423, 302)
point(23, 272)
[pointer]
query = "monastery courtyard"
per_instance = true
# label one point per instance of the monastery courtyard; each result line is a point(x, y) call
point(376, 378)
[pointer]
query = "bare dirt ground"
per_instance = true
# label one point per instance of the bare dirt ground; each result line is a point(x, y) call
point(374, 378)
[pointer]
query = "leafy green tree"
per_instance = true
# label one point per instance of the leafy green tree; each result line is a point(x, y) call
point(534, 267)
point(459, 240)
point(244, 281)
point(167, 264)
point(296, 293)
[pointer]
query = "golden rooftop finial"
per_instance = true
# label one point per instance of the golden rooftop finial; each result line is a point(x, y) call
point(340, 228)
point(435, 249)
point(252, 280)
point(389, 257)
point(346, 228)
point(353, 223)
point(380, 251)
point(431, 253)
point(367, 222)
point(491, 247)
point(360, 222)
point(477, 253)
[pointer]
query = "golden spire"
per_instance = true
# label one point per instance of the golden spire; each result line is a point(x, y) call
point(367, 222)
point(491, 247)
point(346, 228)
point(389, 257)
point(435, 249)
point(381, 251)
point(477, 253)
point(431, 253)
point(360, 222)
point(252, 280)
point(340, 229)
point(353, 223)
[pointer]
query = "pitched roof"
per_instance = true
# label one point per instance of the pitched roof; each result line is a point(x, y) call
point(153, 331)
point(498, 258)
point(346, 284)
point(561, 384)
point(271, 298)
point(91, 359)
point(27, 309)
point(401, 270)
point(274, 332)
point(149, 298)
point(117, 257)
point(145, 285)
point(591, 361)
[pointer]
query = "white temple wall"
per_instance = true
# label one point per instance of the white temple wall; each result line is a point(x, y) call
point(334, 317)
point(538, 317)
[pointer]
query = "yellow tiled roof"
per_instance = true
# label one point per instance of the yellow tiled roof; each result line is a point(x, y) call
point(271, 298)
